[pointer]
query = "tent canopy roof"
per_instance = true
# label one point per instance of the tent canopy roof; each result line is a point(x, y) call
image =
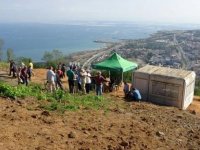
point(115, 63)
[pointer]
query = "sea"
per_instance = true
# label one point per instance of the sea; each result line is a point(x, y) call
point(33, 39)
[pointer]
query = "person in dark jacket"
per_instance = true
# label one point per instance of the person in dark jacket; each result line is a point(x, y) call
point(24, 75)
point(71, 77)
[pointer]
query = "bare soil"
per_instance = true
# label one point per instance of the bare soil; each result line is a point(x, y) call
point(129, 125)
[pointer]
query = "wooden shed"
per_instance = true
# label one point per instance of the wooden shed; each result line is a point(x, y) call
point(165, 86)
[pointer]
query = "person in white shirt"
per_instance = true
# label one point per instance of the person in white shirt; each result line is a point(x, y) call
point(83, 75)
point(51, 79)
point(88, 82)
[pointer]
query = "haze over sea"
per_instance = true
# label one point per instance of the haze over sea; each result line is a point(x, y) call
point(32, 40)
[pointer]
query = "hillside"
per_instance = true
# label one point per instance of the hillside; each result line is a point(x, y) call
point(125, 125)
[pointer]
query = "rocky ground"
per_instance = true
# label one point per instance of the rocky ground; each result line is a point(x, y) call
point(129, 125)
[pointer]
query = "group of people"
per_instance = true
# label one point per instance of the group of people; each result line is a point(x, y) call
point(54, 79)
point(22, 72)
point(79, 79)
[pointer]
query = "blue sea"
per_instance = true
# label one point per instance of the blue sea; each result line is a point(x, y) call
point(32, 40)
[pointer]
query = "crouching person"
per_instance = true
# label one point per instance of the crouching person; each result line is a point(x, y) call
point(135, 94)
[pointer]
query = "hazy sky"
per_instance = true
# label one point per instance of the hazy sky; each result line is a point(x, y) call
point(62, 11)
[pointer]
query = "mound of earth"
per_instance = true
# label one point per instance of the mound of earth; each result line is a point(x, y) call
point(128, 125)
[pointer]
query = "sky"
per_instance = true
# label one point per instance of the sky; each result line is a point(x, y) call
point(63, 11)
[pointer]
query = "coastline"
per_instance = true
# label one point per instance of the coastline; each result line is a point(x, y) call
point(31, 40)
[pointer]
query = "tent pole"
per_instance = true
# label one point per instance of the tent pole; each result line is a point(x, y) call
point(122, 76)
point(132, 77)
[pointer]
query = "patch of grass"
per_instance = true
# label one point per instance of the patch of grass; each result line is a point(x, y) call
point(75, 102)
point(57, 101)
point(19, 91)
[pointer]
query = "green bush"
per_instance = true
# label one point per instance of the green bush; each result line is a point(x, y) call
point(19, 91)
point(197, 87)
point(197, 91)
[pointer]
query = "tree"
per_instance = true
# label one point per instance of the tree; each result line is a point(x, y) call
point(53, 57)
point(47, 57)
point(1, 48)
point(25, 60)
point(10, 54)
point(57, 55)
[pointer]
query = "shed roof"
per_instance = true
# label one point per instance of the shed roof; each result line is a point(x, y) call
point(165, 71)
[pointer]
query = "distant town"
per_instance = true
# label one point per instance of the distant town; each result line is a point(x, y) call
point(176, 49)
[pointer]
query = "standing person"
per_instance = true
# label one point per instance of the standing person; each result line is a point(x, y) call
point(19, 75)
point(63, 69)
point(14, 69)
point(88, 82)
point(29, 72)
point(11, 67)
point(60, 73)
point(126, 89)
point(51, 79)
point(99, 79)
point(24, 75)
point(30, 65)
point(83, 75)
point(58, 81)
point(71, 77)
point(78, 79)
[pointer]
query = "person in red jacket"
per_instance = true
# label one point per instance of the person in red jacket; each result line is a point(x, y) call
point(99, 79)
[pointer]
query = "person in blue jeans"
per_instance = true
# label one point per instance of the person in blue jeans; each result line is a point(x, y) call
point(99, 79)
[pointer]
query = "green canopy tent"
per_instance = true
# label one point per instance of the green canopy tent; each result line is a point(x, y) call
point(115, 63)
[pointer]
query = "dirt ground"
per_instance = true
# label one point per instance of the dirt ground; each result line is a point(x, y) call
point(132, 125)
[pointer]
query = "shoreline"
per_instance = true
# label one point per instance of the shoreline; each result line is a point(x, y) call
point(106, 45)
